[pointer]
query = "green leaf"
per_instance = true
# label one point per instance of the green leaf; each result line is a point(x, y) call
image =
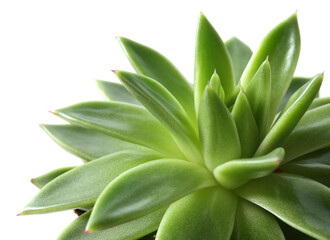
point(81, 186)
point(296, 83)
point(129, 231)
point(292, 233)
point(235, 173)
point(246, 125)
point(318, 102)
point(282, 47)
point(116, 92)
point(166, 109)
point(205, 214)
point(211, 55)
point(240, 54)
point(293, 111)
point(215, 83)
point(253, 222)
point(217, 130)
point(315, 165)
point(148, 62)
point(146, 188)
point(42, 180)
point(302, 203)
point(258, 93)
point(85, 143)
point(124, 121)
point(314, 127)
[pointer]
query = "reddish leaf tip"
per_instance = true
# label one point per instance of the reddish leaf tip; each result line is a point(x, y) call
point(278, 170)
point(20, 214)
point(52, 112)
point(114, 71)
point(278, 160)
point(32, 180)
point(87, 232)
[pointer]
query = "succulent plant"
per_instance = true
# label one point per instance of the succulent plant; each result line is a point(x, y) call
point(241, 154)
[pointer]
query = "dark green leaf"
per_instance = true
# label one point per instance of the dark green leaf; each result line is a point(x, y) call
point(318, 102)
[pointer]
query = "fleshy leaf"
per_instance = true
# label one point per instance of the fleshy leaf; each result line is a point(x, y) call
point(48, 177)
point(85, 143)
point(215, 83)
point(282, 46)
point(258, 93)
point(81, 186)
point(293, 111)
point(292, 233)
point(302, 203)
point(253, 222)
point(315, 165)
point(145, 188)
point(240, 54)
point(211, 55)
point(131, 230)
point(205, 214)
point(318, 102)
point(235, 173)
point(166, 109)
point(148, 62)
point(116, 92)
point(217, 130)
point(296, 83)
point(312, 133)
point(246, 125)
point(124, 121)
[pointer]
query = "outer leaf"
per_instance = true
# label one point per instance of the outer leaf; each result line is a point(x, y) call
point(129, 231)
point(235, 173)
point(205, 214)
point(253, 222)
point(148, 62)
point(146, 188)
point(290, 115)
point(42, 180)
point(116, 92)
point(124, 121)
point(258, 93)
point(292, 233)
point(218, 133)
point(166, 109)
point(85, 143)
point(296, 83)
point(315, 165)
point(81, 186)
point(282, 46)
point(240, 54)
point(211, 54)
point(314, 126)
point(300, 202)
point(318, 102)
point(246, 125)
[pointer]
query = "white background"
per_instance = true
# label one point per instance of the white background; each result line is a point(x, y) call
point(52, 51)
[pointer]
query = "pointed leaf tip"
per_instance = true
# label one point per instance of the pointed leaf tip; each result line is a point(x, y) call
point(114, 71)
point(87, 232)
point(20, 214)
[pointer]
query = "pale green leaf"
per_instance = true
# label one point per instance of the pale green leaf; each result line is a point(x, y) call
point(246, 125)
point(253, 222)
point(81, 186)
point(166, 109)
point(148, 62)
point(217, 130)
point(116, 92)
point(131, 230)
point(293, 111)
point(211, 55)
point(240, 54)
point(302, 203)
point(205, 214)
point(318, 102)
point(146, 188)
point(235, 173)
point(311, 133)
point(124, 121)
point(282, 47)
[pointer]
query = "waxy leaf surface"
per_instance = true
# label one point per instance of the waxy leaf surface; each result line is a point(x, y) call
point(318, 102)
point(166, 109)
point(211, 55)
point(81, 186)
point(148, 62)
point(217, 130)
point(205, 214)
point(124, 121)
point(130, 196)
point(300, 202)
